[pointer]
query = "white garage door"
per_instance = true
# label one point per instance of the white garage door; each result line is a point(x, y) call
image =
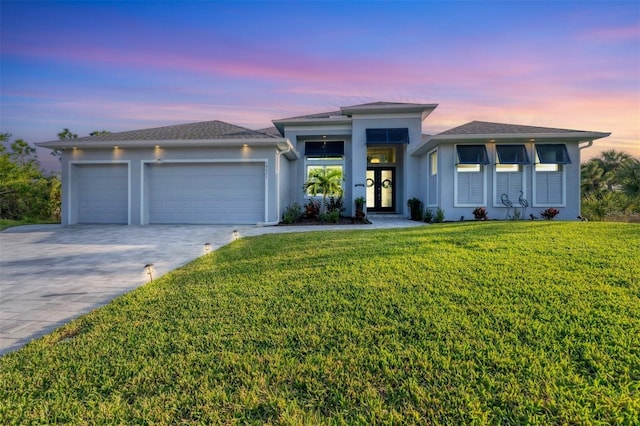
point(206, 193)
point(102, 193)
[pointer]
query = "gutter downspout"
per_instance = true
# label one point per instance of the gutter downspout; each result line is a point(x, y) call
point(279, 155)
point(588, 145)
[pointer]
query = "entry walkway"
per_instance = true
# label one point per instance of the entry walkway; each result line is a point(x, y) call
point(50, 274)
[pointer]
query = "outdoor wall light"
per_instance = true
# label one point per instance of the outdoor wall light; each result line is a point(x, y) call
point(207, 247)
point(149, 270)
point(235, 234)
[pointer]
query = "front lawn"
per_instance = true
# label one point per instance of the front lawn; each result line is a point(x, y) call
point(492, 322)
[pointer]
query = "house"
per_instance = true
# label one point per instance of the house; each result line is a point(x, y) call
point(218, 173)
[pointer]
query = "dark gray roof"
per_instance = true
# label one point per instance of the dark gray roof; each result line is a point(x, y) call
point(273, 131)
point(193, 131)
point(487, 128)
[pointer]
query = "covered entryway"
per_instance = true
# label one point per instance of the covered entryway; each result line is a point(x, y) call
point(206, 193)
point(102, 193)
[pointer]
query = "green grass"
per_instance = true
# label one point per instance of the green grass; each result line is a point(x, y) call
point(471, 323)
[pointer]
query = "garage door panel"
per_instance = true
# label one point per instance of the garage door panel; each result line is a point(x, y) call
point(206, 193)
point(102, 193)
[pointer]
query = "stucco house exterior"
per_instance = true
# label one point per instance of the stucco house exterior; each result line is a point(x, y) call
point(219, 173)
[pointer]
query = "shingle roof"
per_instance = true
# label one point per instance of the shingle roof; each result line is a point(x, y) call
point(273, 131)
point(193, 131)
point(488, 128)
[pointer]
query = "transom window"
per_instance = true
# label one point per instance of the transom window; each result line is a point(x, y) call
point(384, 136)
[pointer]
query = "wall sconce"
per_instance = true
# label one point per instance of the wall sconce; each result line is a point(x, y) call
point(207, 247)
point(149, 270)
point(235, 234)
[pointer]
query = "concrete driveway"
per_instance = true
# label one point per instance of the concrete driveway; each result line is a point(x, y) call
point(50, 274)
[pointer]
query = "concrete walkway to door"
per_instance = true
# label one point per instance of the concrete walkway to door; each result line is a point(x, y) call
point(50, 274)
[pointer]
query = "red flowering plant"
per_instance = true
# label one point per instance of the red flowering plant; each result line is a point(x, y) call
point(480, 213)
point(549, 213)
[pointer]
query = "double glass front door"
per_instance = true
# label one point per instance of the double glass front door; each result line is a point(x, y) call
point(380, 189)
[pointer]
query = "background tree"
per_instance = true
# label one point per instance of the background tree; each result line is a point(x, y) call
point(99, 133)
point(26, 193)
point(610, 185)
point(64, 135)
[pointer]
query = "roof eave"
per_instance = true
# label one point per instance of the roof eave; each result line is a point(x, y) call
point(280, 124)
point(424, 109)
point(433, 141)
point(172, 143)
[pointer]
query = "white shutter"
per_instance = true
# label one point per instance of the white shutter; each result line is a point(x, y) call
point(549, 188)
point(470, 188)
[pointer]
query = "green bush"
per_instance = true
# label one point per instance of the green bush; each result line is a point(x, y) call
point(439, 216)
point(292, 214)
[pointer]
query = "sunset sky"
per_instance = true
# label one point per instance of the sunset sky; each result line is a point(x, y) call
point(130, 65)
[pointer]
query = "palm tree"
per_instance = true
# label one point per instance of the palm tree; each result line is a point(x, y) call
point(612, 161)
point(629, 176)
point(327, 181)
point(592, 177)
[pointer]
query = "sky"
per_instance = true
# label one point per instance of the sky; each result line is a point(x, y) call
point(122, 65)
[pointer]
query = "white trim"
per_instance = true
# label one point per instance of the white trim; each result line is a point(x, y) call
point(72, 220)
point(437, 174)
point(534, 202)
point(265, 161)
point(455, 182)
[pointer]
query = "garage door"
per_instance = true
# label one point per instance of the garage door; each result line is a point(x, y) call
point(102, 193)
point(206, 193)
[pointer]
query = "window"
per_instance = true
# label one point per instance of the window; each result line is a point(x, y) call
point(549, 181)
point(470, 175)
point(432, 194)
point(387, 136)
point(324, 149)
point(325, 156)
point(509, 177)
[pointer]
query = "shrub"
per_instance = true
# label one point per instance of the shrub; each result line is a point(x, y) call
point(292, 214)
point(335, 203)
point(428, 216)
point(549, 213)
point(330, 217)
point(312, 209)
point(480, 213)
point(439, 216)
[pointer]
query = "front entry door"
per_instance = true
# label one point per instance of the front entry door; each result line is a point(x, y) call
point(380, 189)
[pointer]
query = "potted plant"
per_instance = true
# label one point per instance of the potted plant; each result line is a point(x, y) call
point(415, 207)
point(360, 202)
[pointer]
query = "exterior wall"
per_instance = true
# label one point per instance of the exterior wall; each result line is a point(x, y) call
point(136, 158)
point(447, 156)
